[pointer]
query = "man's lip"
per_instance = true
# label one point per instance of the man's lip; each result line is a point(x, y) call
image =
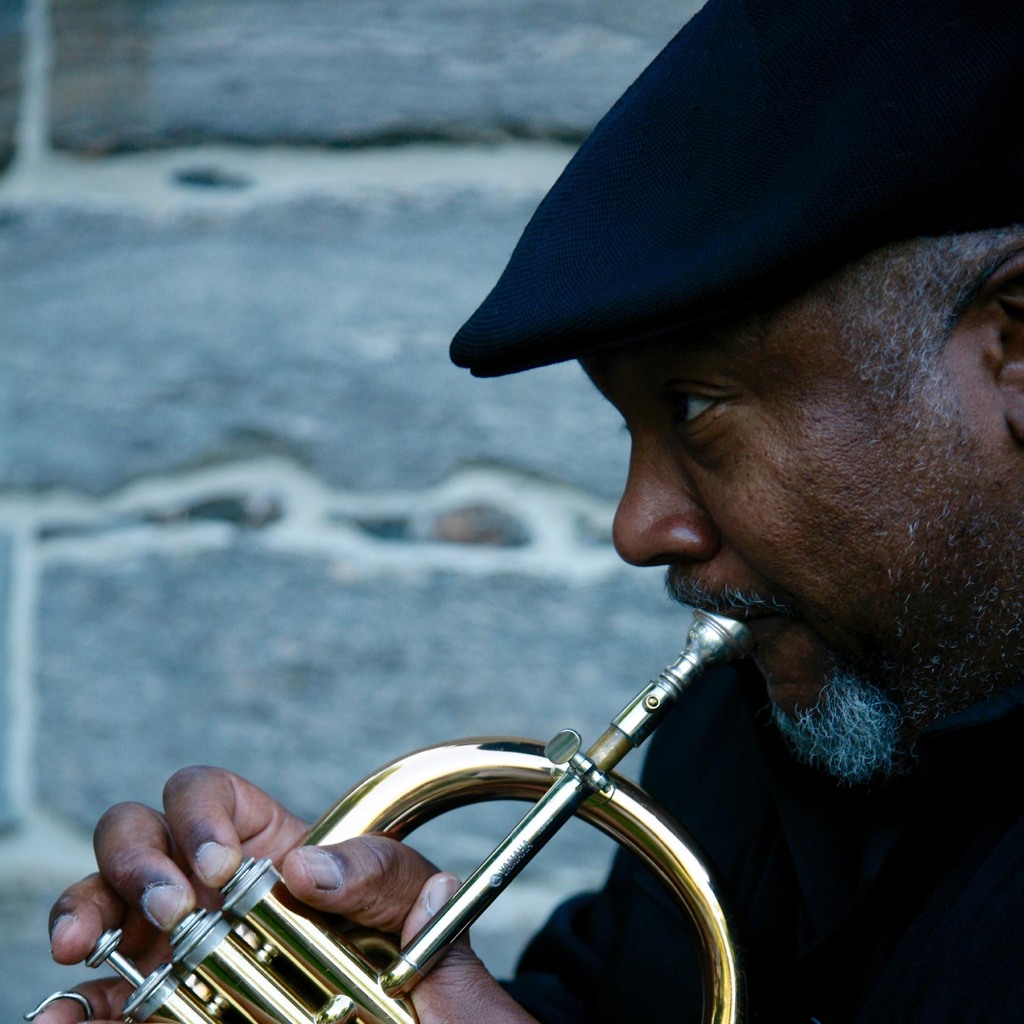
point(769, 622)
point(788, 656)
point(767, 628)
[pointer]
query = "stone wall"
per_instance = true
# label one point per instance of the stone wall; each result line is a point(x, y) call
point(249, 514)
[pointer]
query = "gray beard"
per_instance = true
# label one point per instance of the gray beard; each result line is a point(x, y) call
point(858, 727)
point(852, 733)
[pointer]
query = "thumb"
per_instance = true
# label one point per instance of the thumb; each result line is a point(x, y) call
point(458, 987)
point(436, 892)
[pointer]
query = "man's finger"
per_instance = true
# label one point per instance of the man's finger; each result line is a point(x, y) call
point(82, 912)
point(370, 880)
point(458, 987)
point(134, 851)
point(106, 998)
point(216, 817)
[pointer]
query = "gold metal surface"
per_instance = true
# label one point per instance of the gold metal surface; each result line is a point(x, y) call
point(416, 788)
point(260, 961)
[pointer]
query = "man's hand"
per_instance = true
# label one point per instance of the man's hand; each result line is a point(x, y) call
point(154, 868)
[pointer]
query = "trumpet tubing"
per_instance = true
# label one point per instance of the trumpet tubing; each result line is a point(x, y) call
point(259, 959)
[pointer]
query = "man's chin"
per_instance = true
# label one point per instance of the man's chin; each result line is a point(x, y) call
point(854, 732)
point(830, 716)
point(793, 662)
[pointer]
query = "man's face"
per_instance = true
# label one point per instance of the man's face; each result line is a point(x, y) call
point(855, 534)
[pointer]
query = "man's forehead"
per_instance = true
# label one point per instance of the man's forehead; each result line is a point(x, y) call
point(737, 344)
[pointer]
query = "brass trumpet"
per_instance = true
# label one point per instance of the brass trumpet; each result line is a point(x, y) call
point(258, 959)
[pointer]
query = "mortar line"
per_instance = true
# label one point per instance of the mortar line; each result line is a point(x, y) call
point(314, 521)
point(21, 626)
point(32, 142)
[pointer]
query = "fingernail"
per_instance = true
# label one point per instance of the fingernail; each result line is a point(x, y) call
point(213, 862)
point(162, 903)
point(61, 925)
point(439, 892)
point(323, 867)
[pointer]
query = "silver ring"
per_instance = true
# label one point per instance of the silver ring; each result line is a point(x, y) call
point(75, 997)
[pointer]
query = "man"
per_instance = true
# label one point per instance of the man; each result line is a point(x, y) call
point(789, 257)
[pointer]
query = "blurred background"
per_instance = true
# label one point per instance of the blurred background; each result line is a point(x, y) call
point(249, 514)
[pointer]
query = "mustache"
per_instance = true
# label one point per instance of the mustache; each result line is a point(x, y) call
point(722, 600)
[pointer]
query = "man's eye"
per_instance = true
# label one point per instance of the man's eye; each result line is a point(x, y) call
point(689, 407)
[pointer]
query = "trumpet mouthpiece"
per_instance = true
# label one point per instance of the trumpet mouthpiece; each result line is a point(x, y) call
point(715, 639)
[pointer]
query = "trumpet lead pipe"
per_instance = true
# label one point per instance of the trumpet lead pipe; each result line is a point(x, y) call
point(712, 640)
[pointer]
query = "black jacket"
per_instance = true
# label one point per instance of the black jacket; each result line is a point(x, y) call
point(895, 903)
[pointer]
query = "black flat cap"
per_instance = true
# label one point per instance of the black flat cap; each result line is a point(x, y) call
point(770, 142)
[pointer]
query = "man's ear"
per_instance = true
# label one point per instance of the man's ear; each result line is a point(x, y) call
point(1010, 298)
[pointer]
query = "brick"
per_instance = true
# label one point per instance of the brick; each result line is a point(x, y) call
point(29, 974)
point(304, 677)
point(130, 75)
point(317, 329)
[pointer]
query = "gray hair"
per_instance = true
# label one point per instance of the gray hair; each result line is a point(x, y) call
point(853, 733)
point(897, 305)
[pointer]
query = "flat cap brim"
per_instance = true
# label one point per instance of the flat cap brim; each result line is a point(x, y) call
point(766, 145)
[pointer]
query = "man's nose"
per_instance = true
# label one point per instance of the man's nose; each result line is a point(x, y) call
point(659, 521)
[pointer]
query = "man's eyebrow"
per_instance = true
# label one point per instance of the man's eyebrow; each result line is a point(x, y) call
point(733, 344)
